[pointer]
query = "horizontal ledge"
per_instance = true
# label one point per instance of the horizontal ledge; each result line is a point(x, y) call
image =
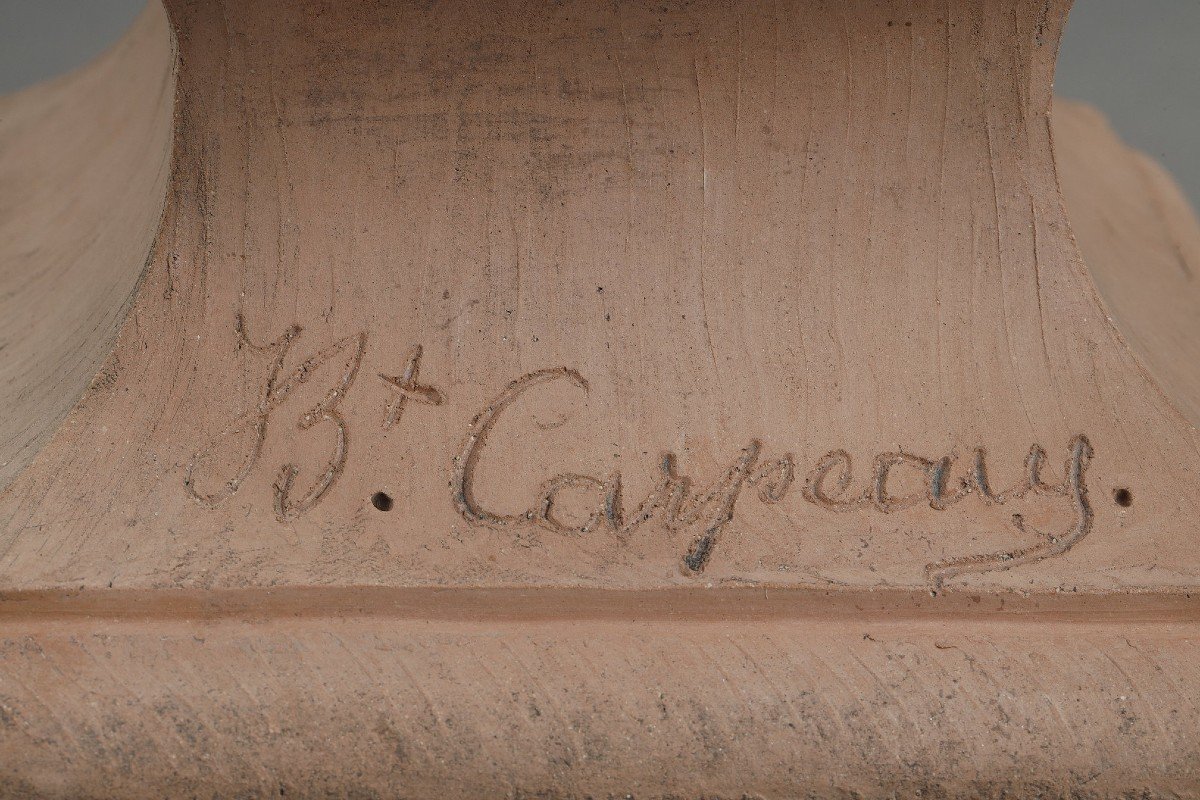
point(680, 604)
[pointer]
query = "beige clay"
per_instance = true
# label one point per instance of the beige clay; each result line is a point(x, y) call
point(593, 400)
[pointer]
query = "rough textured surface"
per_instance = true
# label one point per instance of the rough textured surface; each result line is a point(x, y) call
point(602, 709)
point(532, 270)
point(597, 400)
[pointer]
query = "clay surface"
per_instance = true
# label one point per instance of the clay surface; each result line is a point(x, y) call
point(84, 162)
point(581, 400)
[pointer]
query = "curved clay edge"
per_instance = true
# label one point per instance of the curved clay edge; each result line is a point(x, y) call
point(86, 158)
point(1139, 241)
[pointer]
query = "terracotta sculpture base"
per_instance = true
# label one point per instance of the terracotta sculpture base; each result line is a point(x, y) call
point(581, 400)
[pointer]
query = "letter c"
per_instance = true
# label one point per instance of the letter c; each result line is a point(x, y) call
point(465, 461)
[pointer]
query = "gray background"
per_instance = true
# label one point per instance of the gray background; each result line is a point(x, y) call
point(1138, 60)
